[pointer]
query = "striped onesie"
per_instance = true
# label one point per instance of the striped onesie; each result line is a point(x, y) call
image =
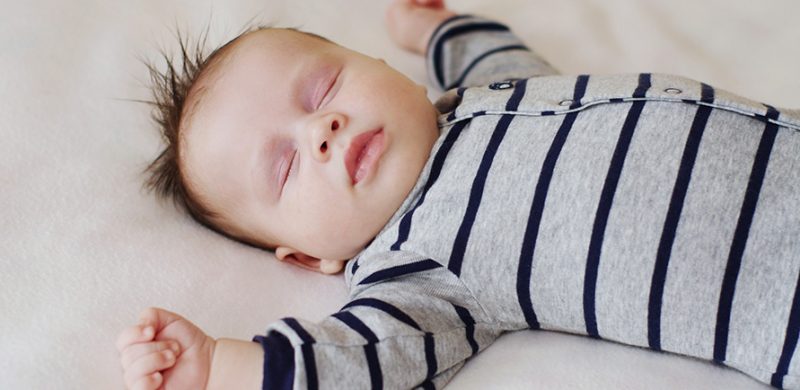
point(647, 209)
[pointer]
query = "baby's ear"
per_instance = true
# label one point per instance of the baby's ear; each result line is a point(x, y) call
point(303, 260)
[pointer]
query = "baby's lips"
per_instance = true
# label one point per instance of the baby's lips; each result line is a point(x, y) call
point(355, 151)
point(369, 157)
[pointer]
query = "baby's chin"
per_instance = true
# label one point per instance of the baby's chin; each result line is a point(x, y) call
point(332, 267)
point(351, 251)
point(347, 255)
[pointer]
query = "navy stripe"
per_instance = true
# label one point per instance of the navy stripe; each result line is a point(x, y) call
point(481, 58)
point(278, 361)
point(357, 325)
point(644, 85)
point(740, 235)
point(444, 23)
point(525, 266)
point(427, 385)
point(297, 328)
point(308, 352)
point(706, 93)
point(476, 192)
point(454, 32)
point(469, 324)
point(430, 356)
point(386, 308)
point(436, 169)
point(673, 217)
point(580, 89)
point(370, 350)
point(604, 207)
point(400, 270)
point(311, 366)
point(375, 374)
point(790, 341)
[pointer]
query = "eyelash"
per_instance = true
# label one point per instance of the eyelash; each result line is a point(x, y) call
point(327, 92)
point(289, 171)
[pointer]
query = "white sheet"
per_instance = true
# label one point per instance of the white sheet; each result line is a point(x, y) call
point(83, 249)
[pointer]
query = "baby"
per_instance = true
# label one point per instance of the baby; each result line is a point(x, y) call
point(646, 209)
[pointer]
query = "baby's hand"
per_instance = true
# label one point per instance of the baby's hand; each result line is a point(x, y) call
point(165, 351)
point(411, 22)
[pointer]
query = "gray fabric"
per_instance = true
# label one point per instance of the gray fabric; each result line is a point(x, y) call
point(486, 285)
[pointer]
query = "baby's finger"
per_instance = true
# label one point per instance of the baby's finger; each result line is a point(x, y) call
point(147, 365)
point(157, 317)
point(150, 382)
point(134, 334)
point(135, 351)
point(430, 3)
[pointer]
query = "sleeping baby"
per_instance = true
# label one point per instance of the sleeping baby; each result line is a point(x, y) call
point(645, 209)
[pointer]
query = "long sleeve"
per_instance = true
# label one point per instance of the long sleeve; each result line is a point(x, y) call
point(410, 325)
point(467, 51)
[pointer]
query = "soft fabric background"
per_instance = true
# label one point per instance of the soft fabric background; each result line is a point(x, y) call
point(83, 249)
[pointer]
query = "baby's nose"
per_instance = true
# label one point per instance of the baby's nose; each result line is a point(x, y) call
point(324, 133)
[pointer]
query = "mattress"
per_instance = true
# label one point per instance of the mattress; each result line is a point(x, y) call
point(83, 248)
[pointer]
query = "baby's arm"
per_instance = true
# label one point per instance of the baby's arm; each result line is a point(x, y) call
point(462, 50)
point(397, 332)
point(237, 364)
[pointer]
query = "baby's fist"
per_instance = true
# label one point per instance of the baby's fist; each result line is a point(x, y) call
point(143, 362)
point(165, 349)
point(411, 22)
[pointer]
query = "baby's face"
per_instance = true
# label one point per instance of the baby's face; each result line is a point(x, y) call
point(304, 145)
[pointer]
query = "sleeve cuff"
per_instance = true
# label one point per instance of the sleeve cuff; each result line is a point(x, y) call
point(278, 361)
point(448, 52)
point(439, 29)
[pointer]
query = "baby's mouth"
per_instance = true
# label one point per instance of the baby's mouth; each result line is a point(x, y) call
point(363, 154)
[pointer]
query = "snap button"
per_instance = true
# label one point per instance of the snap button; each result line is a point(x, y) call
point(502, 85)
point(565, 102)
point(673, 91)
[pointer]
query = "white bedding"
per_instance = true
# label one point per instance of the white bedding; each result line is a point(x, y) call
point(83, 249)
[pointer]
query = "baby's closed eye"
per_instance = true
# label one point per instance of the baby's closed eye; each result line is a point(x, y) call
point(287, 167)
point(325, 89)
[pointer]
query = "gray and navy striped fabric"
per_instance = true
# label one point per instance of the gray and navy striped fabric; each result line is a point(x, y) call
point(645, 209)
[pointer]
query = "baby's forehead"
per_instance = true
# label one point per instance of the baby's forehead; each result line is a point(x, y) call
point(279, 43)
point(264, 50)
point(280, 38)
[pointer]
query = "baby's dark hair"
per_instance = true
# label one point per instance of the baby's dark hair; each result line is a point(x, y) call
point(171, 89)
